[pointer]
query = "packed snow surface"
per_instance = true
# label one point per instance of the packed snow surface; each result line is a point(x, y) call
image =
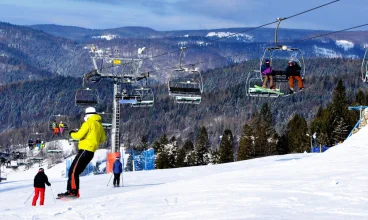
point(332, 185)
point(346, 45)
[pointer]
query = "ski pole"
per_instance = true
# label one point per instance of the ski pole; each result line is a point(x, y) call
point(122, 178)
point(28, 198)
point(109, 180)
point(53, 195)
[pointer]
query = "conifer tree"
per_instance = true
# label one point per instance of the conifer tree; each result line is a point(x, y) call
point(215, 156)
point(162, 155)
point(172, 148)
point(297, 130)
point(202, 147)
point(340, 132)
point(129, 164)
point(339, 113)
point(226, 150)
point(360, 98)
point(246, 145)
point(282, 146)
point(143, 145)
point(264, 143)
point(190, 153)
point(180, 160)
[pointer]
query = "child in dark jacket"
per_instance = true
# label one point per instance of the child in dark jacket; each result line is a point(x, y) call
point(117, 169)
point(39, 185)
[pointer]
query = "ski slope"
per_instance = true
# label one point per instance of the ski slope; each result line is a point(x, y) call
point(332, 185)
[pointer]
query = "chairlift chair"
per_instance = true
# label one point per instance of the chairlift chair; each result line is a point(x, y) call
point(106, 119)
point(146, 95)
point(254, 79)
point(186, 88)
point(54, 148)
point(61, 122)
point(86, 97)
point(37, 140)
point(129, 97)
point(283, 54)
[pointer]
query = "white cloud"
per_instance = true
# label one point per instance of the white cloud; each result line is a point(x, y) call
point(180, 14)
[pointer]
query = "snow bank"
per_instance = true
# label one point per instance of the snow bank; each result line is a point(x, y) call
point(346, 45)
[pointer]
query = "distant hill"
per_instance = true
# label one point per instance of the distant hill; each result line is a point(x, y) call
point(30, 54)
point(41, 51)
point(79, 34)
point(224, 104)
point(239, 34)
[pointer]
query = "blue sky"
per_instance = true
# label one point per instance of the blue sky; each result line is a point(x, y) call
point(183, 14)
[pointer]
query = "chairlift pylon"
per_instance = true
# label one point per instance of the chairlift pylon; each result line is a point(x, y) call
point(188, 88)
point(278, 74)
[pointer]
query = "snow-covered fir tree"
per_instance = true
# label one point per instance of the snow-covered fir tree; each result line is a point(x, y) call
point(226, 150)
point(202, 147)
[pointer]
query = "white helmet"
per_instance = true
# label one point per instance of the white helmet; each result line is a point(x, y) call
point(90, 110)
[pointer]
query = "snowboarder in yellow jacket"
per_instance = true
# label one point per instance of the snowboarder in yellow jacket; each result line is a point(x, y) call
point(90, 135)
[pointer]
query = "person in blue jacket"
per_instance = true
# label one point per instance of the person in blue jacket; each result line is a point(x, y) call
point(117, 168)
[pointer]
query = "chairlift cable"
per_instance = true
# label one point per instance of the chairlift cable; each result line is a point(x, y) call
point(250, 29)
point(241, 53)
point(274, 22)
point(334, 32)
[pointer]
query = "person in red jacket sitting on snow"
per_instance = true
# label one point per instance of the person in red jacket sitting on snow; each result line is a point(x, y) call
point(39, 185)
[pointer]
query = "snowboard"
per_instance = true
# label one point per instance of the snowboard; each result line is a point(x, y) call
point(297, 92)
point(61, 196)
point(66, 198)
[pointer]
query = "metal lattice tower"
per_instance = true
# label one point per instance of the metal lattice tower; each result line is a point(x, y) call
point(121, 71)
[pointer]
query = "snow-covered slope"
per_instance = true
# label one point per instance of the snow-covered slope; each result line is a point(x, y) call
point(332, 185)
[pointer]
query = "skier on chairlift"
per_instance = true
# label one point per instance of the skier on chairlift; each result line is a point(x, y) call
point(61, 127)
point(266, 70)
point(55, 128)
point(30, 143)
point(293, 73)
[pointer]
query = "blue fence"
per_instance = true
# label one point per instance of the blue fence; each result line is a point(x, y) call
point(98, 168)
point(320, 149)
point(144, 160)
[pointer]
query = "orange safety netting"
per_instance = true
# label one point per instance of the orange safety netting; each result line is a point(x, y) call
point(111, 158)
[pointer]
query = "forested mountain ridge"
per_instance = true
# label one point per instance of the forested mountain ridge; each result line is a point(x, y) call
point(27, 53)
point(224, 104)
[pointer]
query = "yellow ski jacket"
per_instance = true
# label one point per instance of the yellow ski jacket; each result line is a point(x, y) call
point(91, 134)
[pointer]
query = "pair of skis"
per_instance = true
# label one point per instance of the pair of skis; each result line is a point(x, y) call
point(260, 89)
point(266, 90)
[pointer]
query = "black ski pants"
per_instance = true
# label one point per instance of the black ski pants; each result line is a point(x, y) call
point(79, 163)
point(116, 179)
